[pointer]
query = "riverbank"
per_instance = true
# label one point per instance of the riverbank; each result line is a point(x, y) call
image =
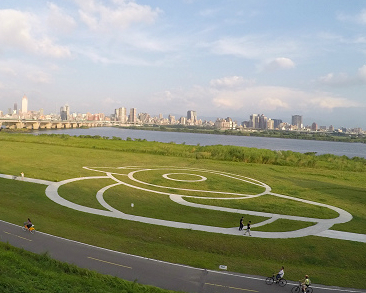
point(322, 136)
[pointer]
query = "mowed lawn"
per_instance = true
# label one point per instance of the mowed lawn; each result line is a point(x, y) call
point(327, 261)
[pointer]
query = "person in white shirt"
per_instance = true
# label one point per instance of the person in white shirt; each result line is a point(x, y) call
point(280, 274)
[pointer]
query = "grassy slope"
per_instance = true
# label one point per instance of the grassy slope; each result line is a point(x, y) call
point(23, 271)
point(326, 260)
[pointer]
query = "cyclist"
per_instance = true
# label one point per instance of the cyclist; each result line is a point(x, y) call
point(305, 283)
point(28, 224)
point(280, 274)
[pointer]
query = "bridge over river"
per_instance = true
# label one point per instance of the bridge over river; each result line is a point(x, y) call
point(51, 124)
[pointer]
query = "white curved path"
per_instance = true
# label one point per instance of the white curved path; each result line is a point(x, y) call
point(320, 228)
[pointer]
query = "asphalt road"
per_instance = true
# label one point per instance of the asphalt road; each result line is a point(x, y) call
point(144, 270)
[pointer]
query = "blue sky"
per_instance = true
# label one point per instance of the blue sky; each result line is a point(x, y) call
point(223, 59)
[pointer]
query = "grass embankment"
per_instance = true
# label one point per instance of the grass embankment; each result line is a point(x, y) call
point(55, 158)
point(23, 271)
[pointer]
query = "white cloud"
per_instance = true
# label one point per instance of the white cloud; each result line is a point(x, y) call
point(19, 30)
point(362, 73)
point(120, 14)
point(209, 12)
point(59, 20)
point(339, 79)
point(271, 98)
point(279, 63)
point(232, 81)
point(359, 18)
point(8, 71)
point(343, 79)
point(253, 47)
point(39, 77)
point(221, 97)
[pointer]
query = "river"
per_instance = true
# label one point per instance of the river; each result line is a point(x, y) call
point(297, 145)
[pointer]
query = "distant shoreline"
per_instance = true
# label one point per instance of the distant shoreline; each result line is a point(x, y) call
point(321, 136)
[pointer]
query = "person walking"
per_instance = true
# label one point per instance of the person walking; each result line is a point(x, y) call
point(248, 228)
point(241, 224)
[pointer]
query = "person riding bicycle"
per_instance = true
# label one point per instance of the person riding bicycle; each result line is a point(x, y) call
point(305, 283)
point(280, 274)
point(28, 224)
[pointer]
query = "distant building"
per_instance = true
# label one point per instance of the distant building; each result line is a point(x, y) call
point(183, 120)
point(192, 116)
point(297, 121)
point(224, 124)
point(65, 112)
point(314, 126)
point(171, 119)
point(262, 122)
point(254, 121)
point(121, 114)
point(276, 123)
point(24, 105)
point(331, 128)
point(144, 118)
point(133, 115)
point(270, 124)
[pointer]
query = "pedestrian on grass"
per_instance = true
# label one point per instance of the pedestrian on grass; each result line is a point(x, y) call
point(248, 228)
point(22, 175)
point(241, 225)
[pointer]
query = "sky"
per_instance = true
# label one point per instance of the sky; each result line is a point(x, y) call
point(220, 58)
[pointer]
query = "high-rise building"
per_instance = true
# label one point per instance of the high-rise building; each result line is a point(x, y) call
point(262, 123)
point(133, 115)
point(24, 105)
point(121, 114)
point(183, 120)
point(65, 112)
point(15, 108)
point(270, 124)
point(254, 121)
point(297, 121)
point(314, 126)
point(276, 123)
point(144, 118)
point(192, 116)
point(171, 119)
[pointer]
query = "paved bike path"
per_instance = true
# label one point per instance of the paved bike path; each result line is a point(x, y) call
point(145, 270)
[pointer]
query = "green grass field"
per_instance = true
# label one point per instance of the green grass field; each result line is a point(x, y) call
point(327, 261)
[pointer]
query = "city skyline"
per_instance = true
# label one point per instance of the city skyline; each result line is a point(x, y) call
point(222, 59)
point(259, 121)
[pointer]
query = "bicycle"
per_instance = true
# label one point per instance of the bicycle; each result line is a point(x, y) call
point(298, 289)
point(31, 229)
point(270, 280)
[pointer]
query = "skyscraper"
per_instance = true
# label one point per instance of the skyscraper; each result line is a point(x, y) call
point(297, 121)
point(133, 115)
point(254, 121)
point(24, 105)
point(192, 116)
